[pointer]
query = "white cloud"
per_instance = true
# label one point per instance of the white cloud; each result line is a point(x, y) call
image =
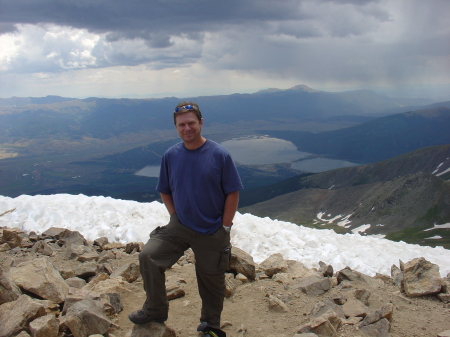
point(262, 43)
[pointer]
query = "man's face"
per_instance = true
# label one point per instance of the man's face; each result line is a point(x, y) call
point(189, 127)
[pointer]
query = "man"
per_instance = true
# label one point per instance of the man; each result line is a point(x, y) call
point(199, 185)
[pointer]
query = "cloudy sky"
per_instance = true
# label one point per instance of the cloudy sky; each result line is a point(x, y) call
point(112, 48)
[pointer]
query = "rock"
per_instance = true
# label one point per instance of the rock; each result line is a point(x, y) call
point(101, 242)
point(325, 270)
point(397, 275)
point(284, 278)
point(230, 284)
point(133, 247)
point(174, 288)
point(355, 308)
point(8, 291)
point(105, 256)
point(242, 278)
point(347, 274)
point(362, 295)
point(114, 245)
point(152, 329)
point(129, 271)
point(378, 329)
point(86, 270)
point(298, 270)
point(242, 263)
point(39, 277)
point(325, 329)
point(326, 311)
point(54, 233)
point(85, 318)
point(421, 277)
point(277, 305)
point(66, 272)
point(443, 297)
point(13, 237)
point(45, 326)
point(23, 334)
point(88, 256)
point(68, 238)
point(76, 282)
point(312, 285)
point(74, 250)
point(374, 316)
point(445, 333)
point(43, 248)
point(4, 247)
point(274, 264)
point(114, 303)
point(15, 316)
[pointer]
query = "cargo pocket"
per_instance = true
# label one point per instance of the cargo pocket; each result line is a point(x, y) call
point(225, 257)
point(157, 230)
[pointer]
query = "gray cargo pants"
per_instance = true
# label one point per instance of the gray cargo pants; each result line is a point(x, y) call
point(165, 246)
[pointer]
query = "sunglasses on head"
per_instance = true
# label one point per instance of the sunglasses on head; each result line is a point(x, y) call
point(185, 107)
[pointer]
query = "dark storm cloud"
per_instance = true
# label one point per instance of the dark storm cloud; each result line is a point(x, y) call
point(143, 19)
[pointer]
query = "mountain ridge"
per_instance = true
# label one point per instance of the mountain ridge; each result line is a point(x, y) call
point(410, 192)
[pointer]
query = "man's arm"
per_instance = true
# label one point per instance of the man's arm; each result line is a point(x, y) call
point(230, 208)
point(168, 202)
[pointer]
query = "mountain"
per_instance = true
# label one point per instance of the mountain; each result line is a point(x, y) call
point(399, 197)
point(377, 139)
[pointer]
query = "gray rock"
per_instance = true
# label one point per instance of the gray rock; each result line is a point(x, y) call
point(40, 277)
point(325, 270)
point(312, 285)
point(86, 270)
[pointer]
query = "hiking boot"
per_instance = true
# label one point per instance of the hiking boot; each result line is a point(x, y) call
point(140, 317)
point(209, 331)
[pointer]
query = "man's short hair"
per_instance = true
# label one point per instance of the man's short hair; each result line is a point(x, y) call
point(184, 107)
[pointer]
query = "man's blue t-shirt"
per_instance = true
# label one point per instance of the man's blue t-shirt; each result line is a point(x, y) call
point(199, 181)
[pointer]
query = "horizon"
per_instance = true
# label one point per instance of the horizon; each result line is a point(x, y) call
point(419, 92)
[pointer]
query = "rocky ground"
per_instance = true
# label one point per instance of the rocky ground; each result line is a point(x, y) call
point(279, 302)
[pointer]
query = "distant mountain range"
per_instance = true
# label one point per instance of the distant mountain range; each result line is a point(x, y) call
point(94, 146)
point(378, 139)
point(400, 197)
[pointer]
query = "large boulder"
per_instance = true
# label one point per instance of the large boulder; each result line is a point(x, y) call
point(15, 316)
point(85, 318)
point(421, 277)
point(40, 277)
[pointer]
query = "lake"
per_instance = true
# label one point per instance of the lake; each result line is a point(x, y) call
point(264, 150)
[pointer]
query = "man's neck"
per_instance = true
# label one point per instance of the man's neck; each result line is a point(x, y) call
point(195, 145)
